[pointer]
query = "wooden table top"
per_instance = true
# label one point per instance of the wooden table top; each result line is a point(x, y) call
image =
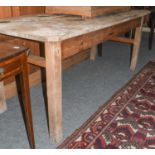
point(8, 50)
point(53, 28)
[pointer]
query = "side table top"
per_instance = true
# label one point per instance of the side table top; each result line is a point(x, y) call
point(8, 50)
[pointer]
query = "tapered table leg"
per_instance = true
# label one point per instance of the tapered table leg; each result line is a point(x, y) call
point(136, 46)
point(22, 78)
point(54, 89)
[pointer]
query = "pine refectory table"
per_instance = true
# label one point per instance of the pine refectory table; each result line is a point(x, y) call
point(64, 36)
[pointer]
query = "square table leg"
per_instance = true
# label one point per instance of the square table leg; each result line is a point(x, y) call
point(136, 46)
point(3, 106)
point(54, 89)
point(93, 52)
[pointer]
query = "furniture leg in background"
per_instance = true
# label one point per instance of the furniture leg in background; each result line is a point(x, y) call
point(136, 46)
point(151, 35)
point(100, 47)
point(93, 52)
point(151, 24)
point(133, 41)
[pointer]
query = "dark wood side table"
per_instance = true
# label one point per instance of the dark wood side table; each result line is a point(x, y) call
point(13, 62)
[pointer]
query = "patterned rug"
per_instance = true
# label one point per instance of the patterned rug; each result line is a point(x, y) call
point(127, 120)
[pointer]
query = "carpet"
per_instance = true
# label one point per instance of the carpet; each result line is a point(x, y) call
point(127, 120)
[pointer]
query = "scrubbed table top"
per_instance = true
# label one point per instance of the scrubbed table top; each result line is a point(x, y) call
point(52, 28)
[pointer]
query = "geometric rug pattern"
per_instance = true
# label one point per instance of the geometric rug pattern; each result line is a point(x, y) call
point(126, 120)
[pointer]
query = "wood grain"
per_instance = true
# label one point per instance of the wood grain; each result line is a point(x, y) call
point(35, 77)
point(12, 11)
point(101, 10)
point(54, 28)
point(3, 105)
point(65, 36)
point(54, 89)
point(13, 62)
point(137, 41)
point(85, 11)
point(93, 52)
point(26, 10)
point(66, 63)
point(5, 12)
point(123, 40)
point(30, 10)
point(24, 97)
point(88, 40)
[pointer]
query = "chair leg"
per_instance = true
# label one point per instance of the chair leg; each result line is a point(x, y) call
point(24, 85)
point(151, 36)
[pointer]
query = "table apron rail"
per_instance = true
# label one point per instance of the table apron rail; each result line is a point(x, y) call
point(66, 63)
point(71, 47)
point(75, 45)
